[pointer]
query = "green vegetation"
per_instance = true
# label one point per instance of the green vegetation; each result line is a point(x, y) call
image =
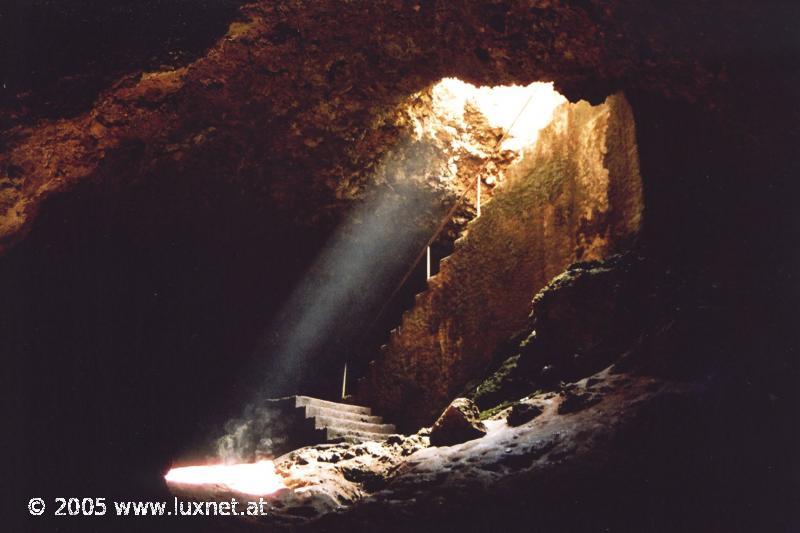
point(492, 385)
point(489, 413)
point(503, 388)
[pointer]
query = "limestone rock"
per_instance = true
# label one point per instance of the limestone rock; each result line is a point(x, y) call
point(585, 316)
point(582, 321)
point(522, 413)
point(575, 401)
point(458, 423)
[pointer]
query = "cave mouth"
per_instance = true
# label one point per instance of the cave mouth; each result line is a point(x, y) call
point(459, 144)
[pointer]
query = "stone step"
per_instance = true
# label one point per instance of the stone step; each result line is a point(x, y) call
point(349, 434)
point(302, 401)
point(314, 410)
point(352, 425)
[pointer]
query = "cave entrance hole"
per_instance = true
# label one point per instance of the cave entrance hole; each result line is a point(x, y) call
point(483, 131)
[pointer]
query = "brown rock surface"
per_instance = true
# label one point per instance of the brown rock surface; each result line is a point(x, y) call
point(522, 413)
point(460, 422)
point(584, 317)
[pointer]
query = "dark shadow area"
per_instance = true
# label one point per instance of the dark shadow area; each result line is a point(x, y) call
point(58, 55)
point(129, 324)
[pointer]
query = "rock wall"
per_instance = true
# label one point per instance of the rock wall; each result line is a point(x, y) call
point(576, 195)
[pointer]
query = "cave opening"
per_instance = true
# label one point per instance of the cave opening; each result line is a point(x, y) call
point(477, 134)
point(461, 144)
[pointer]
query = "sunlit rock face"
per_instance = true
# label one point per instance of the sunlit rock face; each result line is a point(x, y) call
point(576, 194)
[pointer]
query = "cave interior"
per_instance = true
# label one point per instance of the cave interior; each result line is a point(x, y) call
point(209, 203)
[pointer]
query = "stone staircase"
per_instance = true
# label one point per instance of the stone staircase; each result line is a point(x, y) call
point(343, 421)
point(306, 421)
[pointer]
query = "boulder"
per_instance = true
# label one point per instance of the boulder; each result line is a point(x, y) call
point(522, 413)
point(585, 317)
point(575, 401)
point(458, 423)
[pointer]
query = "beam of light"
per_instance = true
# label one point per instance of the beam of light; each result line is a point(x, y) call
point(256, 479)
point(334, 300)
point(331, 305)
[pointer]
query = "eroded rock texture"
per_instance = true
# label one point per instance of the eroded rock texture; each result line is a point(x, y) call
point(602, 453)
point(458, 423)
point(283, 99)
point(577, 195)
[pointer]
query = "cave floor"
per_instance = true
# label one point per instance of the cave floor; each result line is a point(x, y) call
point(405, 483)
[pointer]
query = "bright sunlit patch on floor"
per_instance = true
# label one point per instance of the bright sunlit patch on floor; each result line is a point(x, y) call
point(256, 479)
point(501, 105)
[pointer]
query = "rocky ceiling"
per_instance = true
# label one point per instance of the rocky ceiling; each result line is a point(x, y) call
point(295, 112)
